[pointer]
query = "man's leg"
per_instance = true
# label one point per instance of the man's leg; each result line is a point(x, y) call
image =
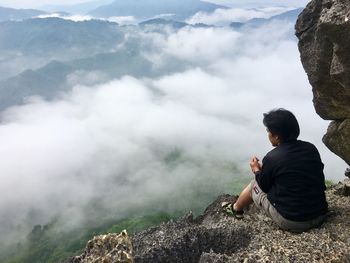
point(244, 199)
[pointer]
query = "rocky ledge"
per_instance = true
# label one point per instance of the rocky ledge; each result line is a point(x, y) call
point(215, 237)
point(323, 29)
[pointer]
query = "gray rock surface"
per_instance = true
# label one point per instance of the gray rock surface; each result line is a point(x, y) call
point(323, 29)
point(215, 237)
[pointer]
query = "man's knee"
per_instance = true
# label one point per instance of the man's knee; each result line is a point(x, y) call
point(257, 194)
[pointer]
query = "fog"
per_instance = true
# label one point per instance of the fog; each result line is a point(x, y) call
point(224, 17)
point(121, 20)
point(169, 143)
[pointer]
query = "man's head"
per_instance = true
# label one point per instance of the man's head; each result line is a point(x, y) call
point(281, 125)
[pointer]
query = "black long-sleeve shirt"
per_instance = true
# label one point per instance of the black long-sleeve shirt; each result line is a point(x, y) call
point(292, 176)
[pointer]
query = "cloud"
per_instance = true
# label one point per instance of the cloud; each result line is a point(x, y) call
point(75, 18)
point(107, 143)
point(152, 144)
point(169, 15)
point(123, 20)
point(86, 78)
point(187, 44)
point(226, 16)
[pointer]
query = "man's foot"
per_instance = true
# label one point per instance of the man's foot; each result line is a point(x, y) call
point(229, 210)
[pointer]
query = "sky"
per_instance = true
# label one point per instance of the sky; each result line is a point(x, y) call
point(248, 3)
point(37, 4)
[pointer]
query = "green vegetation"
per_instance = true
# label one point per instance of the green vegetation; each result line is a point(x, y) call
point(329, 183)
point(46, 245)
point(174, 157)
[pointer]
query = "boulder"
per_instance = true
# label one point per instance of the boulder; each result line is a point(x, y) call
point(323, 29)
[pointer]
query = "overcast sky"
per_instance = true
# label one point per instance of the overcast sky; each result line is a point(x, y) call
point(39, 3)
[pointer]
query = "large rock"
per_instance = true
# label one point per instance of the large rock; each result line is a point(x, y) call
point(323, 29)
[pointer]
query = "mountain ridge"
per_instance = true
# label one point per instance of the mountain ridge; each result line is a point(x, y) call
point(80, 8)
point(290, 15)
point(181, 9)
point(7, 13)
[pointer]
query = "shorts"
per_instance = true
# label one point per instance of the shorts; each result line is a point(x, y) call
point(261, 201)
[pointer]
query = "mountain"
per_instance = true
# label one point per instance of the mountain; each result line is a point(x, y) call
point(160, 23)
point(33, 43)
point(290, 16)
point(181, 9)
point(50, 35)
point(163, 22)
point(51, 79)
point(81, 8)
point(264, 3)
point(46, 82)
point(18, 14)
point(74, 48)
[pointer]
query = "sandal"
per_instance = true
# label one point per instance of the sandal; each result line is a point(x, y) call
point(228, 209)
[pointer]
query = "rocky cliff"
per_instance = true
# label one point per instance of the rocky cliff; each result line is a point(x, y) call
point(215, 237)
point(323, 29)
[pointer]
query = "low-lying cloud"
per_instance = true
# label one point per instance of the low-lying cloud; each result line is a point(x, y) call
point(164, 143)
point(223, 17)
point(75, 18)
point(121, 20)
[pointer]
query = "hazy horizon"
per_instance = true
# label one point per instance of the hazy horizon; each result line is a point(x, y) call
point(37, 4)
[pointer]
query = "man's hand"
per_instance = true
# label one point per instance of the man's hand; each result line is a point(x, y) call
point(255, 165)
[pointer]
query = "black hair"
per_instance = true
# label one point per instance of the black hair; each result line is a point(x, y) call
point(283, 123)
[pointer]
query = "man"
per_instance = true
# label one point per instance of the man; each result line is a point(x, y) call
point(289, 185)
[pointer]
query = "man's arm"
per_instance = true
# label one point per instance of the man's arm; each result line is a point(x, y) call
point(264, 175)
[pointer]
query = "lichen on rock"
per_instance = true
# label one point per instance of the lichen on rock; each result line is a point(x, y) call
point(323, 29)
point(111, 248)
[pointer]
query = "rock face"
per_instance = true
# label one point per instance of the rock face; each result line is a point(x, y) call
point(323, 29)
point(214, 237)
point(188, 239)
